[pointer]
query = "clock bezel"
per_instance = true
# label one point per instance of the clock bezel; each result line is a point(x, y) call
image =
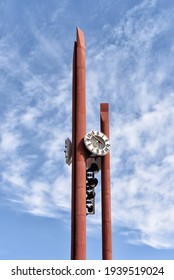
point(94, 150)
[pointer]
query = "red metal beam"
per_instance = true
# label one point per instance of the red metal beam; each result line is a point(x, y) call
point(78, 225)
point(105, 189)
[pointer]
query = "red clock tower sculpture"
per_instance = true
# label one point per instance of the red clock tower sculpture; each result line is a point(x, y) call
point(88, 153)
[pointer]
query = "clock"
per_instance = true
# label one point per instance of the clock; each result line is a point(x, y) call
point(68, 151)
point(97, 143)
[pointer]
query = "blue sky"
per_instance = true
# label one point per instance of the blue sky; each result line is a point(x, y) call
point(129, 56)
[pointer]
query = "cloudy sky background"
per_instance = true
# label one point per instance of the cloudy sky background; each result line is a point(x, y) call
point(130, 61)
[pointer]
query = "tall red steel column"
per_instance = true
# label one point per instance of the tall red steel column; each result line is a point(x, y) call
point(105, 188)
point(78, 226)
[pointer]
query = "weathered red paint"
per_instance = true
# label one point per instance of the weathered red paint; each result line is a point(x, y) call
point(78, 226)
point(105, 189)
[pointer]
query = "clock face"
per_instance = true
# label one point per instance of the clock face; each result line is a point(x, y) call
point(97, 143)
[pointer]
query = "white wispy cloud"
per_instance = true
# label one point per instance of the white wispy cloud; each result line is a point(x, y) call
point(34, 126)
point(134, 76)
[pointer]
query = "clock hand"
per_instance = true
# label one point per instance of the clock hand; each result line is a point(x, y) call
point(98, 139)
